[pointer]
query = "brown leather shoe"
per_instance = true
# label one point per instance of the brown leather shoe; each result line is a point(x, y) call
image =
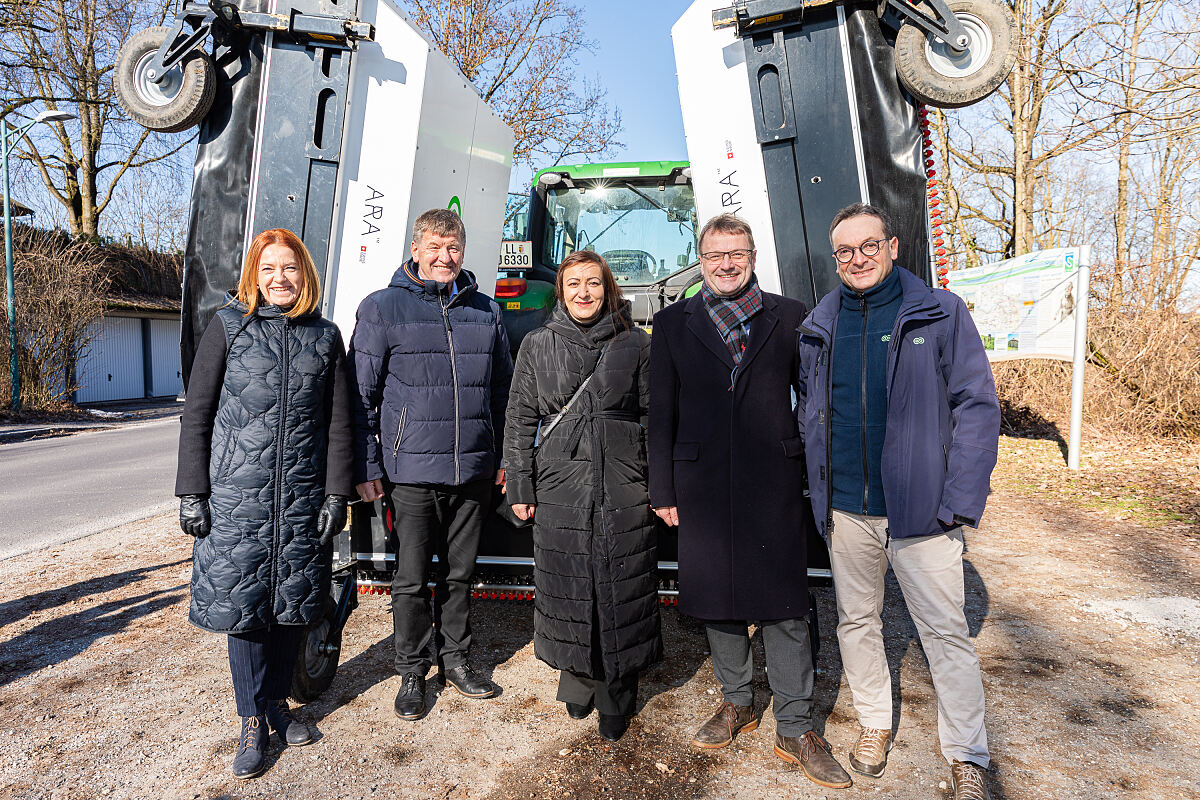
point(969, 781)
point(814, 757)
point(869, 754)
point(729, 720)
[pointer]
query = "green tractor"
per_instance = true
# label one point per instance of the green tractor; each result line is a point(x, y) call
point(640, 216)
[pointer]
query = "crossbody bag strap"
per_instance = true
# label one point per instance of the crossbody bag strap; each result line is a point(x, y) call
point(566, 408)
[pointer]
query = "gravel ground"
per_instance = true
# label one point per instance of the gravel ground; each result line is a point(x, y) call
point(1087, 625)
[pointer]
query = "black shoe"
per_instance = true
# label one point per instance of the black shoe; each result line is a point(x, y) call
point(468, 682)
point(613, 726)
point(410, 700)
point(251, 757)
point(291, 730)
point(579, 710)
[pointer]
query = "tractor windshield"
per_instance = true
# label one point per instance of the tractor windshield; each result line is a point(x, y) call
point(644, 232)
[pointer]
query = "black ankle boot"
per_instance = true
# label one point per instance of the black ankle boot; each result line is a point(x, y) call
point(613, 726)
point(251, 757)
point(292, 731)
point(578, 710)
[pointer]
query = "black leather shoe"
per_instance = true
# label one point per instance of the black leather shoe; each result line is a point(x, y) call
point(291, 730)
point(468, 682)
point(251, 757)
point(410, 700)
point(613, 726)
point(578, 710)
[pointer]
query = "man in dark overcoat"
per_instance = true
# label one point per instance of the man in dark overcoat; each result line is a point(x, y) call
point(726, 464)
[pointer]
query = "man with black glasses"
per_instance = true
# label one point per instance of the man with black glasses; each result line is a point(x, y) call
point(726, 463)
point(900, 422)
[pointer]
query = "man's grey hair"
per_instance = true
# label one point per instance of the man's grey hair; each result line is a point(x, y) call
point(859, 210)
point(726, 223)
point(440, 222)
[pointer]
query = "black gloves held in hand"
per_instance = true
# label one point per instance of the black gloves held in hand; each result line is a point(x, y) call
point(194, 518)
point(332, 518)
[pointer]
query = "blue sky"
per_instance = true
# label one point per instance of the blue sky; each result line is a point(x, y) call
point(634, 61)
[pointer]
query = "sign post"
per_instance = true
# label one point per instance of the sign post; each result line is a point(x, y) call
point(1082, 287)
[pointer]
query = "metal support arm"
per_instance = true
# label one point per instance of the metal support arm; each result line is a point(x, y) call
point(757, 15)
point(221, 18)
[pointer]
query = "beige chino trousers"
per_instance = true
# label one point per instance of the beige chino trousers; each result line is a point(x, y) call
point(929, 570)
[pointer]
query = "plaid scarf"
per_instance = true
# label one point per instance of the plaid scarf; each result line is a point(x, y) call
point(731, 314)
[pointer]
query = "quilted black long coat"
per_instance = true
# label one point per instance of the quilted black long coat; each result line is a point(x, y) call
point(725, 450)
point(266, 433)
point(593, 534)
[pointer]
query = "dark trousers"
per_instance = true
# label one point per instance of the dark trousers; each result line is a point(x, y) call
point(611, 696)
point(443, 521)
point(789, 668)
point(261, 663)
point(615, 698)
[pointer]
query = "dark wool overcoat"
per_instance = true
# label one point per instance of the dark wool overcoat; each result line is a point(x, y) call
point(593, 536)
point(266, 433)
point(725, 450)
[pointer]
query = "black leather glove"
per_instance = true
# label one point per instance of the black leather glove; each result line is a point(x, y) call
point(332, 518)
point(194, 518)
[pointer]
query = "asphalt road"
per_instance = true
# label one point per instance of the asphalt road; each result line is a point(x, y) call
point(55, 490)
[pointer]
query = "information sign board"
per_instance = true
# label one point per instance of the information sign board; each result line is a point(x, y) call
point(1024, 307)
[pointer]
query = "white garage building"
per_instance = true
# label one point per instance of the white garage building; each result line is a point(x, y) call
point(133, 352)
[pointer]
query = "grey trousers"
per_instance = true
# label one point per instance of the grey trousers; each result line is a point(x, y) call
point(789, 668)
point(930, 573)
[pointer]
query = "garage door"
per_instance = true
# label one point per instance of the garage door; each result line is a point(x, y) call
point(166, 378)
point(112, 367)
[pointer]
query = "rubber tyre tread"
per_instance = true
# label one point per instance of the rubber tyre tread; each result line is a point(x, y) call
point(929, 86)
point(195, 96)
point(305, 687)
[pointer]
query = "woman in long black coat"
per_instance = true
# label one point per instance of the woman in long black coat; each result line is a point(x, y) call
point(263, 480)
point(583, 483)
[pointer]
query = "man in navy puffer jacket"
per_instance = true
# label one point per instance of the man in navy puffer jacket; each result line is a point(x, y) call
point(900, 420)
point(432, 366)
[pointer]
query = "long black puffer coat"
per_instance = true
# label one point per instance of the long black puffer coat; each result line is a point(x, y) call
point(266, 433)
point(593, 536)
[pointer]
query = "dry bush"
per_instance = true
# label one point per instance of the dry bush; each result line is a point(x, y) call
point(60, 287)
point(1143, 373)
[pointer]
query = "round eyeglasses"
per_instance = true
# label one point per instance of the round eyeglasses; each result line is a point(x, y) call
point(869, 248)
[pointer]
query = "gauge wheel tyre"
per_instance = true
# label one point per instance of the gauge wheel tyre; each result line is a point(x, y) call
point(936, 75)
point(176, 103)
point(315, 665)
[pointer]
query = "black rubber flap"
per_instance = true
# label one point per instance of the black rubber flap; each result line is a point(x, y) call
point(891, 138)
point(221, 187)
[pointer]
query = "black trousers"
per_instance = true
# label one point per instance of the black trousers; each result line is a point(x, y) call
point(615, 698)
point(445, 521)
point(261, 663)
point(612, 696)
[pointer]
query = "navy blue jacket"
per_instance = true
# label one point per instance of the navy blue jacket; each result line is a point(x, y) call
point(432, 373)
point(943, 418)
point(859, 404)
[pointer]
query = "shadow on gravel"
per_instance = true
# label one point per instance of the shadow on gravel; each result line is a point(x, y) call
point(500, 630)
point(57, 640)
point(14, 610)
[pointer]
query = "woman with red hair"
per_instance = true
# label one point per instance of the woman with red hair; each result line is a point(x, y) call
point(264, 478)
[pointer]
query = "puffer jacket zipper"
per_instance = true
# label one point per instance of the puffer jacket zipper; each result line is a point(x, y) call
point(399, 431)
point(279, 442)
point(454, 380)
